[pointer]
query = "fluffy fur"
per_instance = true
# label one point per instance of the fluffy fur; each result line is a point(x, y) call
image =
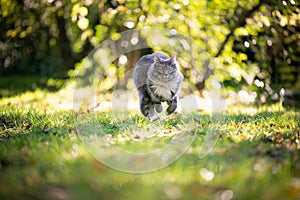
point(157, 79)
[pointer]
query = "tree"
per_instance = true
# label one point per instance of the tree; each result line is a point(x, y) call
point(245, 42)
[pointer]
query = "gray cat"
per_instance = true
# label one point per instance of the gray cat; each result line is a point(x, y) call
point(157, 79)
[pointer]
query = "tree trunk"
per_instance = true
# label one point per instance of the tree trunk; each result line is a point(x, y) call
point(65, 46)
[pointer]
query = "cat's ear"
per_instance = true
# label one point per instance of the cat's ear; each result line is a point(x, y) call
point(173, 58)
point(156, 58)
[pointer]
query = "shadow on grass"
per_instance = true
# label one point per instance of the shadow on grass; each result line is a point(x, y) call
point(15, 85)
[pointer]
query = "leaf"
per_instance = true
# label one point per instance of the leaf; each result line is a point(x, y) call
point(96, 106)
point(27, 126)
point(242, 120)
point(176, 116)
point(278, 134)
point(167, 131)
point(84, 107)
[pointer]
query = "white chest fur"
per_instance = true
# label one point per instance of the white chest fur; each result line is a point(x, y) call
point(165, 89)
point(162, 91)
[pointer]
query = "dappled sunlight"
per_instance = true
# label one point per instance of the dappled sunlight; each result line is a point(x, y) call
point(70, 119)
point(206, 174)
point(128, 100)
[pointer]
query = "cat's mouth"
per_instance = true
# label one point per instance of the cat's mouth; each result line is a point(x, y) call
point(166, 78)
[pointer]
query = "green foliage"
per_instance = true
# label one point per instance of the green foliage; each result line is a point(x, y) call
point(247, 41)
point(268, 40)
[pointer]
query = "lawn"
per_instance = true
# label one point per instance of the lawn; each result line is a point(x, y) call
point(43, 155)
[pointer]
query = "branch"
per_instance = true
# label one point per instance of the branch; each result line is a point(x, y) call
point(241, 15)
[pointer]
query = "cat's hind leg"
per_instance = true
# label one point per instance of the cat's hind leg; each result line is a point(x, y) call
point(172, 105)
point(147, 107)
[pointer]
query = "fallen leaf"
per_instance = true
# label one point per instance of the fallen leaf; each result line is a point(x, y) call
point(278, 134)
point(27, 126)
point(167, 131)
point(176, 116)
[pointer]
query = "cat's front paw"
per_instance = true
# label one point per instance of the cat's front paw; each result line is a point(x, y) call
point(154, 118)
point(171, 109)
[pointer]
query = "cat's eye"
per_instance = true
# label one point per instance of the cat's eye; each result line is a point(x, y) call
point(160, 70)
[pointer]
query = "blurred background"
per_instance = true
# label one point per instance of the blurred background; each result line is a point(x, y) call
point(254, 44)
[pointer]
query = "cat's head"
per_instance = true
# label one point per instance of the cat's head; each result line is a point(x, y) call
point(165, 69)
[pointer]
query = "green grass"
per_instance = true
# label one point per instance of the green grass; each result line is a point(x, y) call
point(256, 157)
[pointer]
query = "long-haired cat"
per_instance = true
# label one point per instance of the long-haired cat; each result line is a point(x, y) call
point(157, 79)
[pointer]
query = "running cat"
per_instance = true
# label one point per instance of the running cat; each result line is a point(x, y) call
point(157, 79)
